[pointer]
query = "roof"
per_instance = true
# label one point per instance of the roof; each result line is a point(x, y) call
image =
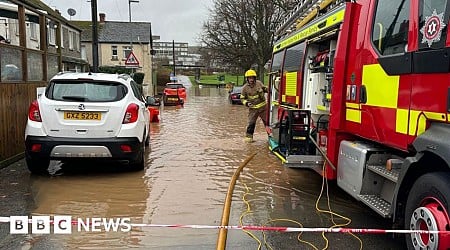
point(116, 32)
point(93, 76)
point(86, 30)
point(39, 5)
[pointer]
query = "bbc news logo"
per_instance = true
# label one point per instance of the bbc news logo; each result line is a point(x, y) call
point(63, 224)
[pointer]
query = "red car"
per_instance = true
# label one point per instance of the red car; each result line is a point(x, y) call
point(174, 94)
point(235, 95)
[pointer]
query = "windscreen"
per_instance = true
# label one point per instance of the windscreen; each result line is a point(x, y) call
point(86, 91)
point(174, 86)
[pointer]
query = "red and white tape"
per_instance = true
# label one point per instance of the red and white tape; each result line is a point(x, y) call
point(279, 229)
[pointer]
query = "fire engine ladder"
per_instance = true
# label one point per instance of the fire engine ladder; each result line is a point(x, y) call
point(302, 13)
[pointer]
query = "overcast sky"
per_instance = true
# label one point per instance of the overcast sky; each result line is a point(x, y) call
point(179, 20)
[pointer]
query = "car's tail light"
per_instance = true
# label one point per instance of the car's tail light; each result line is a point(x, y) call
point(125, 148)
point(36, 147)
point(33, 112)
point(132, 114)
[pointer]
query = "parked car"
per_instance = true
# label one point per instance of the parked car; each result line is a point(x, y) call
point(87, 116)
point(153, 104)
point(174, 94)
point(234, 95)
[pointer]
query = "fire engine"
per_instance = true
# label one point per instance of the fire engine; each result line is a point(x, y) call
point(359, 91)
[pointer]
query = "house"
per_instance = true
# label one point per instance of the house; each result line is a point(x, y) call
point(38, 43)
point(116, 40)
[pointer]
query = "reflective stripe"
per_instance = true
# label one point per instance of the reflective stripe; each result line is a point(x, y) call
point(382, 90)
point(413, 122)
point(259, 105)
point(353, 115)
point(436, 116)
point(353, 112)
point(417, 122)
point(401, 121)
point(291, 84)
point(352, 105)
point(311, 30)
point(253, 97)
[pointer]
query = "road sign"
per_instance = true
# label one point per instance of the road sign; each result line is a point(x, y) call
point(131, 60)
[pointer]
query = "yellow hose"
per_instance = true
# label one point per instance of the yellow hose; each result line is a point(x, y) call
point(222, 239)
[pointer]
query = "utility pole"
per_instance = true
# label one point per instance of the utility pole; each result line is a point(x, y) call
point(129, 7)
point(131, 35)
point(173, 57)
point(94, 36)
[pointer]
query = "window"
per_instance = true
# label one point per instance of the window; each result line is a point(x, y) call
point(126, 51)
point(62, 35)
point(34, 61)
point(277, 60)
point(51, 35)
point(77, 41)
point(77, 91)
point(34, 31)
point(294, 57)
point(52, 66)
point(114, 53)
point(136, 90)
point(11, 64)
point(83, 52)
point(432, 21)
point(71, 40)
point(390, 27)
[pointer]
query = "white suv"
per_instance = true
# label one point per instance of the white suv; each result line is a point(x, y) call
point(87, 115)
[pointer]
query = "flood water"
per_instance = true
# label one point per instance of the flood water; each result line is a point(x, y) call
point(194, 152)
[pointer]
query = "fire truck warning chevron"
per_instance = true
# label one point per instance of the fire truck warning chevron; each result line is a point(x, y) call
point(63, 224)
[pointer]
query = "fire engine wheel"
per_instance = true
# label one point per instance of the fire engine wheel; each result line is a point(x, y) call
point(427, 209)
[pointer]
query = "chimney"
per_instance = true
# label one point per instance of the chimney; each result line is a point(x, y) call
point(102, 17)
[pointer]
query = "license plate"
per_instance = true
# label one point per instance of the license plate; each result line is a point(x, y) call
point(172, 99)
point(82, 115)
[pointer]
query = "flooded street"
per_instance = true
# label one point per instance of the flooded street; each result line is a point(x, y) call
point(194, 152)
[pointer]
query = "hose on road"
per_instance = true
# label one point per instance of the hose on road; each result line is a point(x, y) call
point(222, 238)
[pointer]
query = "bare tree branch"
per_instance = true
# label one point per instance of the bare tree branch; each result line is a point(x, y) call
point(240, 33)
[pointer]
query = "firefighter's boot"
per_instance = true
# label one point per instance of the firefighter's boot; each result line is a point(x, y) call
point(248, 138)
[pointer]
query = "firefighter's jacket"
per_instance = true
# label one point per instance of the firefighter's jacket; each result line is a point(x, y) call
point(254, 96)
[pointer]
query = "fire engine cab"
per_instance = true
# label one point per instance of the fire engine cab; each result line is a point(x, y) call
point(360, 92)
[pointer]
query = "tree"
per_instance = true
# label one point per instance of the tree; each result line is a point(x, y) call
point(240, 33)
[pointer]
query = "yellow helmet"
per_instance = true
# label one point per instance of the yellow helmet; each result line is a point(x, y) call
point(250, 73)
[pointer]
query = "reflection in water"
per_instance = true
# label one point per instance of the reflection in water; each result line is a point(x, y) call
point(87, 193)
point(194, 152)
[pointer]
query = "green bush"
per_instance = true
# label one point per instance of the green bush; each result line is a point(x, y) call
point(114, 70)
point(138, 77)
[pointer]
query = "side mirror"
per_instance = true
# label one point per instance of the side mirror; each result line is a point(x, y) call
point(152, 101)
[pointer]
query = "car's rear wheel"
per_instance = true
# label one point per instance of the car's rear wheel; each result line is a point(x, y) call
point(147, 140)
point(139, 164)
point(37, 166)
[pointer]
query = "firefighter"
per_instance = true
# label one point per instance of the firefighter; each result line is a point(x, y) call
point(253, 97)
